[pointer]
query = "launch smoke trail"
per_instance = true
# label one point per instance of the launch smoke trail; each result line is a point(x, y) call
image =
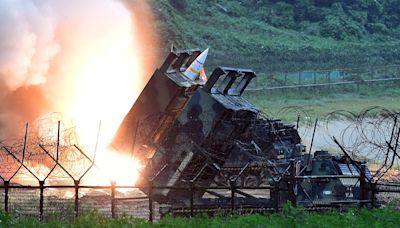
point(50, 51)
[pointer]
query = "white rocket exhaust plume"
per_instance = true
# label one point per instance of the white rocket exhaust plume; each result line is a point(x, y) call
point(27, 42)
point(61, 56)
point(194, 70)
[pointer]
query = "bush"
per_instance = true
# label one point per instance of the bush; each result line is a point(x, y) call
point(332, 27)
point(178, 4)
point(377, 28)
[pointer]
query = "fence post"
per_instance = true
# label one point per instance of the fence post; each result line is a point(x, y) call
point(292, 183)
point(329, 81)
point(362, 186)
point(285, 90)
point(373, 193)
point(386, 71)
point(6, 185)
point(343, 80)
point(41, 186)
point(191, 198)
point(343, 75)
point(76, 210)
point(113, 198)
point(299, 77)
point(370, 84)
point(398, 72)
point(315, 82)
point(151, 201)
point(299, 83)
point(232, 185)
point(386, 76)
point(275, 195)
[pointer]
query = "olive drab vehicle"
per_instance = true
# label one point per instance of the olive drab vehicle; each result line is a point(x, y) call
point(205, 133)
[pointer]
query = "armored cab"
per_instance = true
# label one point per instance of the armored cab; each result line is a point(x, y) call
point(333, 179)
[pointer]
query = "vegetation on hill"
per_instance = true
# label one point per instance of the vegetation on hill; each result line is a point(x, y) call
point(285, 35)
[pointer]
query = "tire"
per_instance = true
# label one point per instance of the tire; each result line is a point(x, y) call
point(251, 181)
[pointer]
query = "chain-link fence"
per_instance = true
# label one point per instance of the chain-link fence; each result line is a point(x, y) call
point(349, 80)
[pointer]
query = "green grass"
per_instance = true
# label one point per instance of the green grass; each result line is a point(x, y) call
point(289, 217)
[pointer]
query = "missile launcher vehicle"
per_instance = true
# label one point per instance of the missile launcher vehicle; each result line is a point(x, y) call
point(189, 131)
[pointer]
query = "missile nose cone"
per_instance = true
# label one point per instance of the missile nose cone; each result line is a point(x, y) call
point(203, 56)
point(193, 71)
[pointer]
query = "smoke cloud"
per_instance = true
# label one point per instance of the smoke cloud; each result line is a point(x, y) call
point(44, 44)
point(27, 42)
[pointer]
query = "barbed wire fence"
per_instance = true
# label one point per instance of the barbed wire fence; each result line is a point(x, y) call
point(43, 174)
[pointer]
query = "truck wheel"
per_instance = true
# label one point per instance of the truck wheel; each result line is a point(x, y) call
point(251, 181)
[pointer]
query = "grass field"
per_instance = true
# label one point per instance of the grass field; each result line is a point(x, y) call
point(309, 105)
point(289, 217)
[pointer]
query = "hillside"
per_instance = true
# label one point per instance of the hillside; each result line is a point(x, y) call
point(272, 35)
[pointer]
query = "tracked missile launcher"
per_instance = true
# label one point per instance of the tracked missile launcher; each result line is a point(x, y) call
point(205, 133)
